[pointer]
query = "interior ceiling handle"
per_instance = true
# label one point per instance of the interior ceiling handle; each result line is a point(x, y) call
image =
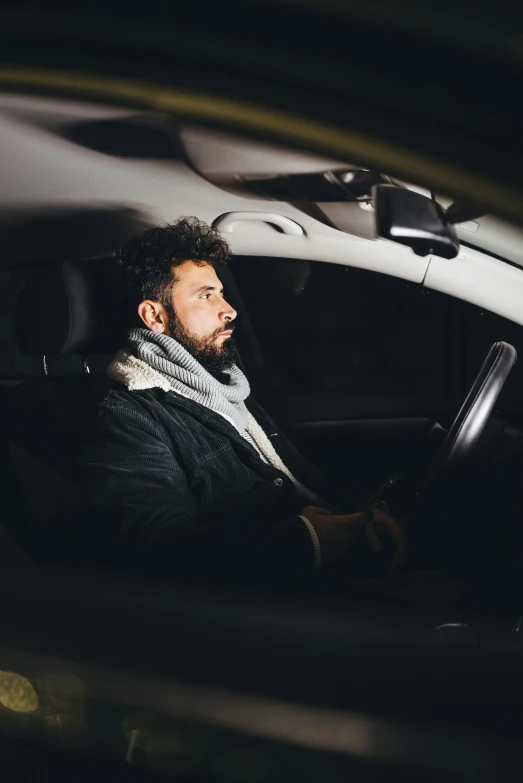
point(226, 222)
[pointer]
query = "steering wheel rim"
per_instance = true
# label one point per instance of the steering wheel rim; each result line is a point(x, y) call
point(473, 415)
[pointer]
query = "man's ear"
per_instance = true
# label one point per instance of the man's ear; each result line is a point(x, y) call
point(154, 315)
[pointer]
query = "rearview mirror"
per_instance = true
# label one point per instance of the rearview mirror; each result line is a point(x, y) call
point(411, 219)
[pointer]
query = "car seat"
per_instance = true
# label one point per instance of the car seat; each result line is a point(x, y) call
point(75, 309)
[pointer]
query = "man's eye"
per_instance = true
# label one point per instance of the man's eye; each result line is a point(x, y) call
point(205, 296)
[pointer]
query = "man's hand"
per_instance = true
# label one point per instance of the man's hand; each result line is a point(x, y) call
point(384, 529)
point(337, 533)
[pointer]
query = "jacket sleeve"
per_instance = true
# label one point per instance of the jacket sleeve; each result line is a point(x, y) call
point(147, 517)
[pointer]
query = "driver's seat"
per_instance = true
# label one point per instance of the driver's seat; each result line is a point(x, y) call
point(75, 309)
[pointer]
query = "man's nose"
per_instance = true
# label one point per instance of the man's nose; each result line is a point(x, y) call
point(229, 313)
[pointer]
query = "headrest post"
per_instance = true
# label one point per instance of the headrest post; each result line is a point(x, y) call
point(86, 366)
point(46, 371)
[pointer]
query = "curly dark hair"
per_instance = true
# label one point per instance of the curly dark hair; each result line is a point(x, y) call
point(149, 260)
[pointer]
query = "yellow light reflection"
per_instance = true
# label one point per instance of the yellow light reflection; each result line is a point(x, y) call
point(17, 693)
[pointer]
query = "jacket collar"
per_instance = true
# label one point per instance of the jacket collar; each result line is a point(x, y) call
point(137, 375)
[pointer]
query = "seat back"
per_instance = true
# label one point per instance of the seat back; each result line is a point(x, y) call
point(74, 308)
point(12, 554)
point(49, 419)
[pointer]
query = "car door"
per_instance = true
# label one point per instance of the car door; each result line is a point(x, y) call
point(355, 366)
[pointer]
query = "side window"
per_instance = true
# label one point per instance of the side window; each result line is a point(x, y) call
point(327, 327)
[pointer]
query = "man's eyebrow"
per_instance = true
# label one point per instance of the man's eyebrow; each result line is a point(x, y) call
point(204, 288)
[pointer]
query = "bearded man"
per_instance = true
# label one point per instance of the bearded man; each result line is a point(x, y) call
point(198, 480)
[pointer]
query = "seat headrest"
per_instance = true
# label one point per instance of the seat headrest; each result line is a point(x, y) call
point(76, 307)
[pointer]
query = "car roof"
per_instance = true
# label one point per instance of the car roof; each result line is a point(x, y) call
point(62, 164)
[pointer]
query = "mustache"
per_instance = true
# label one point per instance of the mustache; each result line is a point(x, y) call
point(221, 330)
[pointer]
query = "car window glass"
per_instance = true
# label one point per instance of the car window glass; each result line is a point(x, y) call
point(329, 327)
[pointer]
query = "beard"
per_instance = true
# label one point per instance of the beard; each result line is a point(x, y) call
point(213, 357)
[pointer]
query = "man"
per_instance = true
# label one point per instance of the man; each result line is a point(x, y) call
point(197, 478)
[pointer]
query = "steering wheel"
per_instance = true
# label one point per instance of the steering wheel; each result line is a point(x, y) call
point(472, 418)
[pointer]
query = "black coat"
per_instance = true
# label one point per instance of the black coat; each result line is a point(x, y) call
point(187, 496)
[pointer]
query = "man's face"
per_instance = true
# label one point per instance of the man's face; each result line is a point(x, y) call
point(200, 318)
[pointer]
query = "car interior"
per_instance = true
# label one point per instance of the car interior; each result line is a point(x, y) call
point(375, 360)
point(399, 349)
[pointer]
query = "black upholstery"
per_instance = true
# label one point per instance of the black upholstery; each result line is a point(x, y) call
point(50, 417)
point(11, 517)
point(78, 307)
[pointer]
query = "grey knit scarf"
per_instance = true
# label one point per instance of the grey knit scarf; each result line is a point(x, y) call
point(189, 378)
